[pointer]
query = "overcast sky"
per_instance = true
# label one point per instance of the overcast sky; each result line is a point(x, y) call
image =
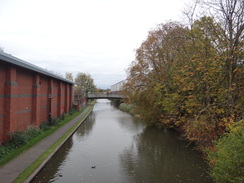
point(98, 37)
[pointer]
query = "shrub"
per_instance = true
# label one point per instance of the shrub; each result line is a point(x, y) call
point(72, 111)
point(32, 132)
point(55, 121)
point(127, 108)
point(19, 138)
point(66, 115)
point(5, 150)
point(45, 125)
point(227, 160)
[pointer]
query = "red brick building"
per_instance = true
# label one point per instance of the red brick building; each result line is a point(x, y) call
point(29, 95)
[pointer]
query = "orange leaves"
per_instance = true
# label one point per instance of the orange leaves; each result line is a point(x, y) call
point(200, 130)
point(227, 122)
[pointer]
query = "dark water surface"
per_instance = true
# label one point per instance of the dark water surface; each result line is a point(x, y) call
point(123, 149)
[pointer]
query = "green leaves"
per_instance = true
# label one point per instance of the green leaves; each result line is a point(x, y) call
point(83, 84)
point(228, 158)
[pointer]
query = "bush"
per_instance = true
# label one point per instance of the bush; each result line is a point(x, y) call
point(32, 132)
point(55, 121)
point(227, 160)
point(72, 111)
point(127, 108)
point(18, 139)
point(5, 150)
point(45, 125)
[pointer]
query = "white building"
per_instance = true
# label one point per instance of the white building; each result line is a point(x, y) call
point(118, 86)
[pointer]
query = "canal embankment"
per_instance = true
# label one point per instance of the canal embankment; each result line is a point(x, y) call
point(27, 164)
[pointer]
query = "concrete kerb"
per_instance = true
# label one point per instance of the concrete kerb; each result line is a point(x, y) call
point(89, 110)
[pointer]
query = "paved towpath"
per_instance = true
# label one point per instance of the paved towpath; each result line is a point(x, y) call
point(10, 171)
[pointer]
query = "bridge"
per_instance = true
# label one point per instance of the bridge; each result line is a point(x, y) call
point(105, 96)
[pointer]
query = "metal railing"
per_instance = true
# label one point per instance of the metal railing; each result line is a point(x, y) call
point(106, 96)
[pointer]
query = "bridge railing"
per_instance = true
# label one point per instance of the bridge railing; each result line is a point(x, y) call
point(108, 96)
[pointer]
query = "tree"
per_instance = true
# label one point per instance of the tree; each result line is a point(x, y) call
point(228, 38)
point(150, 75)
point(84, 84)
point(188, 77)
point(223, 28)
point(69, 76)
point(201, 79)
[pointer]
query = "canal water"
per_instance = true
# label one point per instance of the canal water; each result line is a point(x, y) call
point(112, 146)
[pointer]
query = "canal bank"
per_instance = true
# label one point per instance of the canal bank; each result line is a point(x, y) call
point(10, 171)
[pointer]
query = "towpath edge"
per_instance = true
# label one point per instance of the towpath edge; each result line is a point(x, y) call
point(10, 171)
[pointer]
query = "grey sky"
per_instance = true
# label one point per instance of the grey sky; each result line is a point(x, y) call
point(92, 36)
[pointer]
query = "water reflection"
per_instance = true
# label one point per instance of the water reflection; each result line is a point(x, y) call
point(158, 156)
point(51, 172)
point(84, 130)
point(135, 125)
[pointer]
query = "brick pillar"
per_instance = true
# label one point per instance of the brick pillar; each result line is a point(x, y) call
point(70, 96)
point(66, 106)
point(60, 98)
point(36, 100)
point(50, 96)
point(10, 92)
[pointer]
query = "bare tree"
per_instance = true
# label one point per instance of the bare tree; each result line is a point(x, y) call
point(230, 16)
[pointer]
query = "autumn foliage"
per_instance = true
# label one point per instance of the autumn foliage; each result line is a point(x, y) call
point(191, 77)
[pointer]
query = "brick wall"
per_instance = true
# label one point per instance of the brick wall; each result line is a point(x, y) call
point(23, 99)
point(44, 89)
point(29, 98)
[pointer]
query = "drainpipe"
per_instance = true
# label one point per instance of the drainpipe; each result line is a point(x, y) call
point(50, 109)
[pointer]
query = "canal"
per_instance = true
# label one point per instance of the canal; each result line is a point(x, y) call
point(112, 146)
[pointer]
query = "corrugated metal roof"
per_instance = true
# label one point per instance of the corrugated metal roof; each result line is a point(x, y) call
point(16, 61)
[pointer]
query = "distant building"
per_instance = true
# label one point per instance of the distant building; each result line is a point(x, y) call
point(29, 95)
point(118, 87)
